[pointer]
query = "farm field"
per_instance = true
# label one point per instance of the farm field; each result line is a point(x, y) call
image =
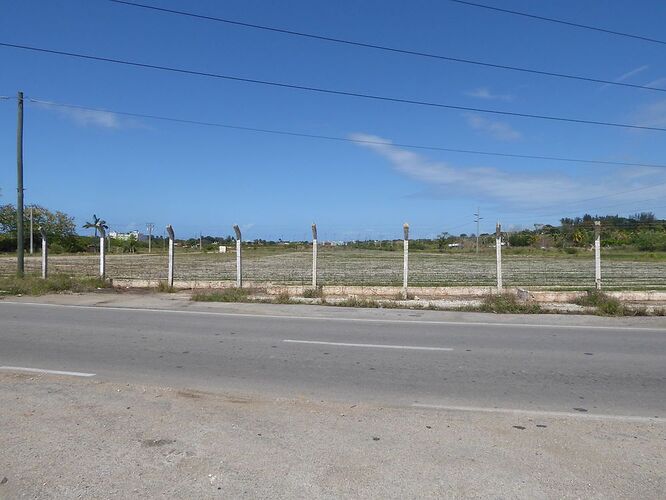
point(344, 266)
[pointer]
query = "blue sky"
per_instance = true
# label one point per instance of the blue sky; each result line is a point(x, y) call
point(131, 170)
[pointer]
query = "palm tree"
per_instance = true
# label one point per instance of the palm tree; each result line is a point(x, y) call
point(97, 224)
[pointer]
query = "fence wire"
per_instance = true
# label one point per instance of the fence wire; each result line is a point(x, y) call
point(344, 266)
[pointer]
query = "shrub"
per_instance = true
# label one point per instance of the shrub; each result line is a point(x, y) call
point(282, 298)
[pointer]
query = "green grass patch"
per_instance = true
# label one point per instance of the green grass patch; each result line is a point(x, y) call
point(57, 283)
point(224, 295)
point(604, 305)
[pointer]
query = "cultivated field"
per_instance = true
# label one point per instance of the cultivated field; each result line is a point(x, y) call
point(344, 266)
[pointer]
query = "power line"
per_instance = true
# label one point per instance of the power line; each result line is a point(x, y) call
point(321, 90)
point(346, 139)
point(385, 47)
point(559, 21)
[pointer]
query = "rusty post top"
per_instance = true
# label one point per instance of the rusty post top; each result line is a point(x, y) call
point(314, 231)
point(405, 228)
point(169, 229)
point(237, 231)
point(498, 229)
point(42, 231)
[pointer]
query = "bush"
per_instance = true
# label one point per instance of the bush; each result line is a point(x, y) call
point(520, 240)
point(357, 302)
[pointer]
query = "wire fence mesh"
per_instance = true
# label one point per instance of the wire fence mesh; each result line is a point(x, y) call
point(344, 266)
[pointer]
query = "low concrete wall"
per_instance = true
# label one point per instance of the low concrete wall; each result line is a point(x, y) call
point(395, 292)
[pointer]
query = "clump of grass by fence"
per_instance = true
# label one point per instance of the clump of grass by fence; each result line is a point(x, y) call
point(58, 283)
point(225, 295)
point(504, 303)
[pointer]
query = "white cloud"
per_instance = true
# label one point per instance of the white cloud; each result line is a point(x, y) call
point(90, 117)
point(485, 93)
point(497, 129)
point(525, 189)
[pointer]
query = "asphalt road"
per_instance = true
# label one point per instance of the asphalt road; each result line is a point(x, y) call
point(537, 363)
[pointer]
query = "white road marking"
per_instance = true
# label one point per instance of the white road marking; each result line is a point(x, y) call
point(539, 413)
point(382, 346)
point(329, 318)
point(41, 370)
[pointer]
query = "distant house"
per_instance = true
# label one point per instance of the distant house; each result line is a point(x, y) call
point(132, 235)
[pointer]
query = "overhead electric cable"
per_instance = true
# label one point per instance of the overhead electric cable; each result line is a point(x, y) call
point(344, 139)
point(321, 90)
point(386, 48)
point(559, 21)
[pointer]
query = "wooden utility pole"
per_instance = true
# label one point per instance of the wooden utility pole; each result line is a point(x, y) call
point(19, 189)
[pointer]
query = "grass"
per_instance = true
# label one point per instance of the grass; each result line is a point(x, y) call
point(358, 302)
point(504, 303)
point(224, 295)
point(163, 287)
point(314, 293)
point(57, 283)
point(605, 305)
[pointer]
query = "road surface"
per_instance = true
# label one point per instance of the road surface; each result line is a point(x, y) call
point(548, 364)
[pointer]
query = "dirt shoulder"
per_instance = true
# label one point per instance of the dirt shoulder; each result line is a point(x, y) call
point(74, 438)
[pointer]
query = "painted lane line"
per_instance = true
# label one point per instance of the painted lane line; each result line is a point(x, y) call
point(540, 413)
point(41, 370)
point(381, 346)
point(339, 319)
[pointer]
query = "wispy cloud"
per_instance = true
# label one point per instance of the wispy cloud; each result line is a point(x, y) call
point(627, 75)
point(485, 93)
point(659, 82)
point(651, 115)
point(497, 129)
point(488, 183)
point(91, 118)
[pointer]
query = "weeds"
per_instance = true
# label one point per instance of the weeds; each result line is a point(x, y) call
point(604, 305)
point(282, 298)
point(163, 287)
point(224, 295)
point(358, 302)
point(504, 303)
point(57, 283)
point(314, 293)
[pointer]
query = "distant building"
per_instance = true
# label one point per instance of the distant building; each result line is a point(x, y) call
point(132, 235)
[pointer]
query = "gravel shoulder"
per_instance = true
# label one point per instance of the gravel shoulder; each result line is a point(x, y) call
point(65, 437)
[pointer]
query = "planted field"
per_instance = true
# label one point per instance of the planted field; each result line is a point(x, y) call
point(344, 266)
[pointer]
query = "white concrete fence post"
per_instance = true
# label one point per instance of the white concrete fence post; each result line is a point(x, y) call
point(405, 261)
point(45, 253)
point(498, 251)
point(597, 254)
point(314, 255)
point(102, 252)
point(239, 259)
point(172, 238)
